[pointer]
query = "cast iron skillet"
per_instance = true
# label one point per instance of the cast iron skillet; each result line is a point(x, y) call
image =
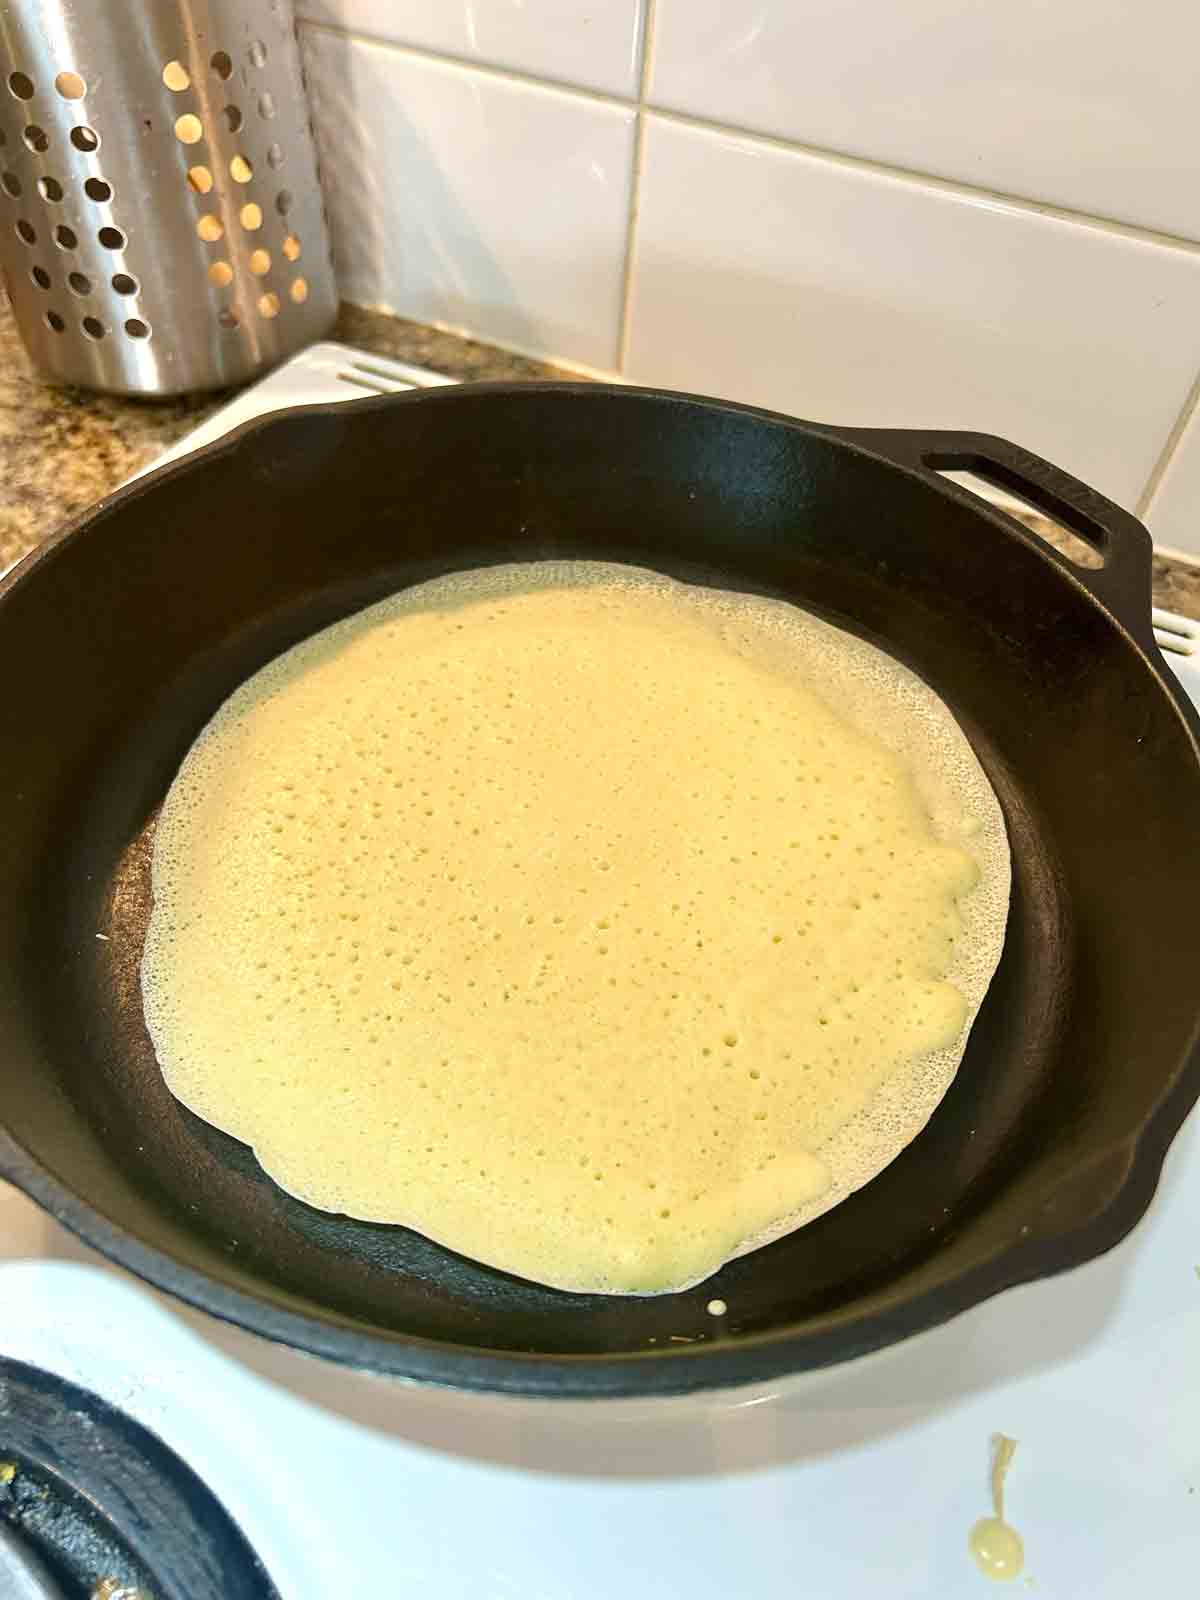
point(120, 638)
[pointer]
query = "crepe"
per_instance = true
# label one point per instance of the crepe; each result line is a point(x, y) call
point(597, 926)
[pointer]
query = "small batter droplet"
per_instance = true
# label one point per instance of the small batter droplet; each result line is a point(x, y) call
point(997, 1547)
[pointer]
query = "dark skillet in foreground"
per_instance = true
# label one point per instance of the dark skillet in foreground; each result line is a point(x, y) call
point(119, 639)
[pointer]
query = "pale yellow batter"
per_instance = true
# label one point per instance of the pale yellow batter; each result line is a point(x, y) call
point(997, 1547)
point(573, 917)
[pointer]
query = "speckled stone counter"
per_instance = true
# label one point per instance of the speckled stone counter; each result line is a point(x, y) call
point(62, 449)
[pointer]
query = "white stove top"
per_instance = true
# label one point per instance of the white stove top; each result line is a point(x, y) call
point(860, 1481)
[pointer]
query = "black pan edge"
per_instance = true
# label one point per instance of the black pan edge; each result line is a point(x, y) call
point(1126, 605)
point(906, 451)
point(752, 1360)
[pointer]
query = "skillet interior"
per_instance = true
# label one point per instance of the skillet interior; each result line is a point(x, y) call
point(128, 633)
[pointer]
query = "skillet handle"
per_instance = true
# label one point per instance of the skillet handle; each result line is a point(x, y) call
point(1122, 583)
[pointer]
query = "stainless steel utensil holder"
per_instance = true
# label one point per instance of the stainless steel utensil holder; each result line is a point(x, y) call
point(161, 223)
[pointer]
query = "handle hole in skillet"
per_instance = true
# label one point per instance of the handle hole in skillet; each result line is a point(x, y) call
point(1071, 544)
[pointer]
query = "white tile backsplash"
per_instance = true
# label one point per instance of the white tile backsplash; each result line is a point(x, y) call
point(1088, 106)
point(594, 43)
point(844, 295)
point(1173, 515)
point(856, 261)
point(459, 197)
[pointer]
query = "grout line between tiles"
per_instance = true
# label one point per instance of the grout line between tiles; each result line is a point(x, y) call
point(488, 69)
point(1158, 471)
point(643, 108)
point(929, 180)
point(637, 166)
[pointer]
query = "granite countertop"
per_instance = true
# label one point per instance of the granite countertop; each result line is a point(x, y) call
point(62, 449)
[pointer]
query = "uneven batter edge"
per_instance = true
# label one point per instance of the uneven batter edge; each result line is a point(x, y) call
point(597, 926)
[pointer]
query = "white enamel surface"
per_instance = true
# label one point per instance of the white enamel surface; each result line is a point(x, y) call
point(836, 293)
point(324, 372)
point(472, 200)
point(592, 43)
point(1089, 106)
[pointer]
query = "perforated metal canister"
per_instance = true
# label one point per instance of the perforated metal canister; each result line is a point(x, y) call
point(161, 222)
